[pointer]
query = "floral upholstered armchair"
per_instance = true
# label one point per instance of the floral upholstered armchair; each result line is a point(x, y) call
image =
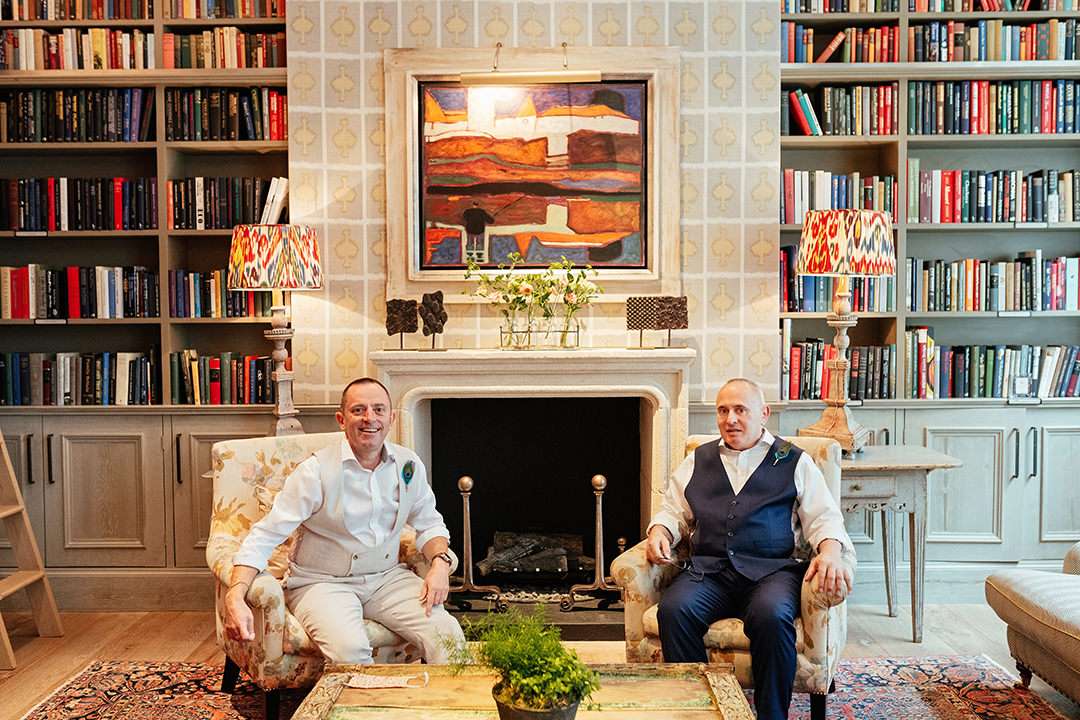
point(820, 631)
point(247, 476)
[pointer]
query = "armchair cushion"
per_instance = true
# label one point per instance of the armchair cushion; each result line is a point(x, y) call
point(820, 632)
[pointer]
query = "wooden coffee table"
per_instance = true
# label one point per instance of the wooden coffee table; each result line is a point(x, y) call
point(673, 691)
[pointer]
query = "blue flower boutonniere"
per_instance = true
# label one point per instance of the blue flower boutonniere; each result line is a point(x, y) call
point(407, 472)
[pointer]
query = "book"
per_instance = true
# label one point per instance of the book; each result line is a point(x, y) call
point(833, 45)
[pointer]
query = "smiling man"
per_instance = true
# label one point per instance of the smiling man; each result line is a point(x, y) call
point(753, 505)
point(351, 501)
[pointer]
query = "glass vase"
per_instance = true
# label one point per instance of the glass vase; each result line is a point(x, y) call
point(566, 333)
point(516, 333)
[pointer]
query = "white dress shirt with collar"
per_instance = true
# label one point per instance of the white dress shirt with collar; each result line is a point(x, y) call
point(369, 504)
point(815, 517)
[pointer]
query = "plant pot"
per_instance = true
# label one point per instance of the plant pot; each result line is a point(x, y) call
point(512, 712)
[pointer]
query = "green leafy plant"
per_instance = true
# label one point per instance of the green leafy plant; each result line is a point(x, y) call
point(535, 670)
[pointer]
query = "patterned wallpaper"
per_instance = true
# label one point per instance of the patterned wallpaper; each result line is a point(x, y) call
point(730, 156)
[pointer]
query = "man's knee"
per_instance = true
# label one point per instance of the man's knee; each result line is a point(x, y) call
point(348, 647)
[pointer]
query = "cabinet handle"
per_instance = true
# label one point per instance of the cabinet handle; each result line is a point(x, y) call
point(1034, 451)
point(48, 457)
point(856, 488)
point(1016, 460)
point(179, 477)
point(30, 459)
point(885, 432)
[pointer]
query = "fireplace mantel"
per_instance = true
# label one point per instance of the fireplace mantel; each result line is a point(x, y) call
point(658, 377)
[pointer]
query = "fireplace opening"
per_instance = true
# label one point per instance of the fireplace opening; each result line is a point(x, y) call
point(532, 461)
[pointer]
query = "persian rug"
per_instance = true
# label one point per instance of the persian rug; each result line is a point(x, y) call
point(890, 688)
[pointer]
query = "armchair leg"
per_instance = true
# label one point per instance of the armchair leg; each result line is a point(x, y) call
point(229, 675)
point(272, 704)
point(817, 703)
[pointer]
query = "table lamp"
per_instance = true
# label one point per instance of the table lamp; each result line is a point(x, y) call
point(277, 257)
point(843, 244)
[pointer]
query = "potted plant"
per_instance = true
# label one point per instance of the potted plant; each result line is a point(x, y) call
point(538, 677)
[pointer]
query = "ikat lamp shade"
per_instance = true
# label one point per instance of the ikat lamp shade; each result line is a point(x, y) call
point(277, 257)
point(855, 243)
point(843, 243)
point(274, 257)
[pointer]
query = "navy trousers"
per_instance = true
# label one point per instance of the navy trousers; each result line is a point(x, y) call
point(767, 607)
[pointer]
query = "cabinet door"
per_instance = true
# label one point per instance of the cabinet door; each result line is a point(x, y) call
point(193, 491)
point(1051, 493)
point(105, 504)
point(974, 512)
point(23, 438)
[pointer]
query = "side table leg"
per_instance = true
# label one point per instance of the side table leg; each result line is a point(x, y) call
point(888, 549)
point(917, 528)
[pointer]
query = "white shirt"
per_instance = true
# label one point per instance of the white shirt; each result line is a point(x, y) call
point(815, 515)
point(369, 505)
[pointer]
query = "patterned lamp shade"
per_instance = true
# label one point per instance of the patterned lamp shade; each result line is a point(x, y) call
point(274, 257)
point(846, 242)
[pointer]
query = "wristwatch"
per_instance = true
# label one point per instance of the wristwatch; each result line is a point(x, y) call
point(444, 556)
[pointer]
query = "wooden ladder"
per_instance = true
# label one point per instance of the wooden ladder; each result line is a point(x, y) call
point(31, 572)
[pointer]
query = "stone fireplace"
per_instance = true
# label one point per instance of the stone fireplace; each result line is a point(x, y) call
point(655, 377)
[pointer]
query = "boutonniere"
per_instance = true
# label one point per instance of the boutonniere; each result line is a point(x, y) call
point(407, 472)
point(782, 452)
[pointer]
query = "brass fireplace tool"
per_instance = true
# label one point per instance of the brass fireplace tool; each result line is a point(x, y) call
point(599, 482)
point(465, 485)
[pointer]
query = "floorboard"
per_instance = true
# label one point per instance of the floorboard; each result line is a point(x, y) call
point(45, 663)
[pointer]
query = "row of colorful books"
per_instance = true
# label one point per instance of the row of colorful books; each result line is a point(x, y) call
point(981, 196)
point(992, 107)
point(76, 10)
point(41, 292)
point(922, 6)
point(215, 203)
point(225, 47)
point(805, 190)
point(844, 110)
point(805, 373)
point(63, 203)
point(231, 378)
point(988, 371)
point(225, 113)
point(839, 6)
point(76, 49)
point(872, 45)
point(1028, 283)
point(76, 114)
point(955, 41)
point(225, 9)
point(204, 294)
point(72, 378)
point(806, 293)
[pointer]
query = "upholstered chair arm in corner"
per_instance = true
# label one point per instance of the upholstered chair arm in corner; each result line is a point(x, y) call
point(414, 559)
point(641, 583)
point(824, 625)
point(1072, 561)
point(267, 601)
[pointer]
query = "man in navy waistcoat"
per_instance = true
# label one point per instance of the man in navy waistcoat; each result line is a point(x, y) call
point(754, 507)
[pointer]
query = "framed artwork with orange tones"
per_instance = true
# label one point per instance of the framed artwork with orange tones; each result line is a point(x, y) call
point(545, 171)
point(586, 171)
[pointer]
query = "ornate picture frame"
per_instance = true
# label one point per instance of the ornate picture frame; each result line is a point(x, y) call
point(653, 266)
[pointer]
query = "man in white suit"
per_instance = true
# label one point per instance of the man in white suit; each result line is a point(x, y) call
point(350, 501)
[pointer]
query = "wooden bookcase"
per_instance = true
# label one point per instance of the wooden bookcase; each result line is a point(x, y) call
point(161, 249)
point(119, 497)
point(1014, 498)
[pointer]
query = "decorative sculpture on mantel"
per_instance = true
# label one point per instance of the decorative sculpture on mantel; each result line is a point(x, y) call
point(433, 314)
point(660, 312)
point(401, 318)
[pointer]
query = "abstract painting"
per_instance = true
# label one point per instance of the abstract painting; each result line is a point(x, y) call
point(547, 171)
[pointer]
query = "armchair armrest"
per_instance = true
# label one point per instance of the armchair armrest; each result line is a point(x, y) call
point(414, 559)
point(641, 583)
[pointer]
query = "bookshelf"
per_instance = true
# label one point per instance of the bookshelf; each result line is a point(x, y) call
point(126, 487)
point(169, 93)
point(1014, 490)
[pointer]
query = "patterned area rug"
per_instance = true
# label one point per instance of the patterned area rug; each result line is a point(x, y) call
point(944, 688)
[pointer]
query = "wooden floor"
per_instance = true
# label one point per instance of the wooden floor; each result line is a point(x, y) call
point(45, 663)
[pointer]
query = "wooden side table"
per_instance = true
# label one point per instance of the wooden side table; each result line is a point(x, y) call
point(894, 477)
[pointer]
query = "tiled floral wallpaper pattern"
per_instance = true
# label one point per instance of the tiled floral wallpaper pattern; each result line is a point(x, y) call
point(730, 155)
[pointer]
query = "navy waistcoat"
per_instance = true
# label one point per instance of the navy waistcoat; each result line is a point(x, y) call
point(752, 530)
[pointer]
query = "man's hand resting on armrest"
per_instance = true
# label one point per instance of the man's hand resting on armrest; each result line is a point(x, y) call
point(658, 547)
point(833, 575)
